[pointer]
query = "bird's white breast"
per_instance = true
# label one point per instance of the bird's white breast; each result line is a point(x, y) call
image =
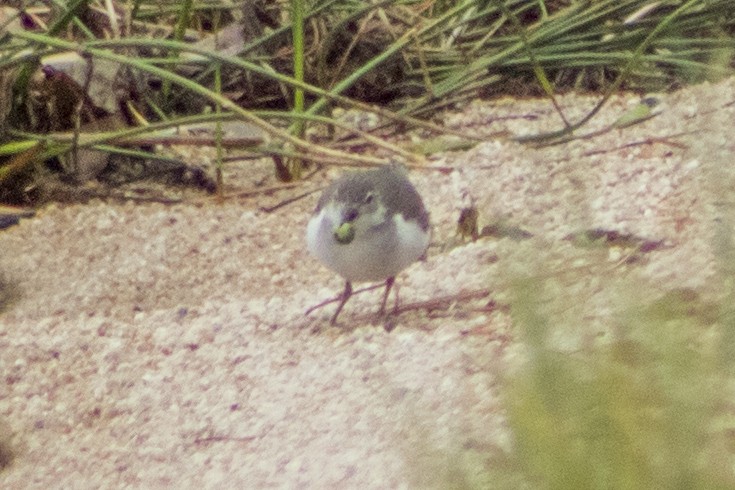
point(379, 250)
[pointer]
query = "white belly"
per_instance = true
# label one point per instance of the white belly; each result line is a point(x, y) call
point(374, 254)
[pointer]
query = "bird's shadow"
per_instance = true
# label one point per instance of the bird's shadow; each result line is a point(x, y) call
point(433, 308)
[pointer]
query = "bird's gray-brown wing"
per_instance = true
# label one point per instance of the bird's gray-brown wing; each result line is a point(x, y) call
point(400, 194)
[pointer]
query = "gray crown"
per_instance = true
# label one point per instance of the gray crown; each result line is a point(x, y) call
point(389, 183)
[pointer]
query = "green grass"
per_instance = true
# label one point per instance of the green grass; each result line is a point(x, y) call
point(403, 59)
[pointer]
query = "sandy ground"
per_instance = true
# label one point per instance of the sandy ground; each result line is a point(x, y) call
point(165, 346)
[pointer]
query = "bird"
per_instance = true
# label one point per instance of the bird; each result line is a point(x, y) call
point(367, 227)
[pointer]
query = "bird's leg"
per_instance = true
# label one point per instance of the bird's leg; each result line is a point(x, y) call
point(343, 299)
point(388, 285)
point(397, 295)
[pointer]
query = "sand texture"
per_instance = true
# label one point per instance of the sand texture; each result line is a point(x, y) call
point(156, 345)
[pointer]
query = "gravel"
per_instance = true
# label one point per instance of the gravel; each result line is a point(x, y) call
point(160, 346)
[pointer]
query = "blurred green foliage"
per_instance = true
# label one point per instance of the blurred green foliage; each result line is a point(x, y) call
point(640, 412)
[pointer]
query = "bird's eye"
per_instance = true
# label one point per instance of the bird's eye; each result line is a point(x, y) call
point(369, 197)
point(351, 215)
